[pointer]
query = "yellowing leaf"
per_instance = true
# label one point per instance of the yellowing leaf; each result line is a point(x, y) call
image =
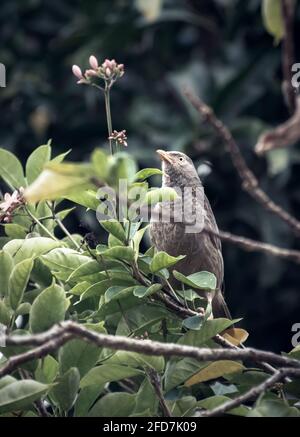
point(51, 185)
point(213, 371)
point(272, 18)
point(236, 336)
point(149, 9)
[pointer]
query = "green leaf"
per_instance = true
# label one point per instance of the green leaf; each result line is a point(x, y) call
point(200, 280)
point(207, 331)
point(142, 291)
point(47, 370)
point(193, 322)
point(273, 408)
point(13, 230)
point(86, 398)
point(115, 228)
point(5, 313)
point(18, 282)
point(118, 292)
point(146, 173)
point(100, 163)
point(36, 162)
point(20, 394)
point(65, 392)
point(134, 359)
point(177, 372)
point(11, 170)
point(114, 405)
point(118, 252)
point(48, 308)
point(215, 401)
point(108, 373)
point(64, 259)
point(146, 399)
point(80, 354)
point(87, 198)
point(6, 380)
point(30, 248)
point(272, 18)
point(6, 266)
point(157, 195)
point(162, 260)
point(121, 166)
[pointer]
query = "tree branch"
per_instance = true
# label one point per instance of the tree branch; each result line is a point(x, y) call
point(60, 334)
point(249, 180)
point(253, 393)
point(283, 135)
point(257, 246)
point(156, 383)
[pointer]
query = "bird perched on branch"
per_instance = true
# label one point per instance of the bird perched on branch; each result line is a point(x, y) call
point(188, 235)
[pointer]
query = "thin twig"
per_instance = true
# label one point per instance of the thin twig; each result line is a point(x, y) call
point(257, 246)
point(253, 393)
point(249, 180)
point(284, 135)
point(154, 378)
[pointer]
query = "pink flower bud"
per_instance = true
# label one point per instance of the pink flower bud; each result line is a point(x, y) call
point(108, 72)
point(89, 73)
point(77, 71)
point(94, 62)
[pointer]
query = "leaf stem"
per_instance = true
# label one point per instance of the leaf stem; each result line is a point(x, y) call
point(108, 115)
point(38, 222)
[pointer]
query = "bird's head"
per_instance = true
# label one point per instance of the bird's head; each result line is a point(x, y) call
point(178, 169)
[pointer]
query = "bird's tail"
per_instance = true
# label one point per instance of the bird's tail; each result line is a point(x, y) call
point(219, 306)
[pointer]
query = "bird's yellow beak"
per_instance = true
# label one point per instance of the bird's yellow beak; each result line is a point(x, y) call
point(164, 156)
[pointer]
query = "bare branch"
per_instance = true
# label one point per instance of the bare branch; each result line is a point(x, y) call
point(282, 136)
point(257, 246)
point(253, 393)
point(60, 334)
point(249, 180)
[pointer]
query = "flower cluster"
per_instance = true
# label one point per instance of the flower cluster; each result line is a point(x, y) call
point(119, 137)
point(109, 71)
point(10, 203)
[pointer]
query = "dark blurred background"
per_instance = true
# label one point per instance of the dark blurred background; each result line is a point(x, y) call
point(217, 47)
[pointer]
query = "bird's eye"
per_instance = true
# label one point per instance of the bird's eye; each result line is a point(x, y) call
point(180, 159)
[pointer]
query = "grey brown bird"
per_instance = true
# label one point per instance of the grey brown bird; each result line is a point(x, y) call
point(203, 250)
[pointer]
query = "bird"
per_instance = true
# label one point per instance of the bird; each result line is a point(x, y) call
point(202, 250)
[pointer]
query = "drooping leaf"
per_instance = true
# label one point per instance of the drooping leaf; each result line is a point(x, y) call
point(18, 282)
point(65, 391)
point(235, 336)
point(147, 173)
point(142, 291)
point(36, 162)
point(79, 354)
point(108, 373)
point(115, 228)
point(6, 266)
point(272, 18)
point(48, 308)
point(20, 394)
point(162, 260)
point(213, 371)
point(114, 405)
point(11, 170)
point(200, 280)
